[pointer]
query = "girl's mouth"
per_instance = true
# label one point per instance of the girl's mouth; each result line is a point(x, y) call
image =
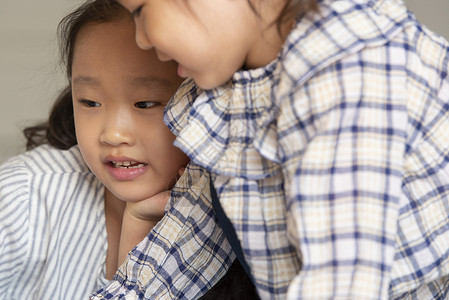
point(127, 164)
point(126, 170)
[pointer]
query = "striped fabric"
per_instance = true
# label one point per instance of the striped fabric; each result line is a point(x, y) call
point(53, 240)
point(332, 161)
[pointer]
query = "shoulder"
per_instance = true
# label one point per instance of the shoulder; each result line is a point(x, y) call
point(36, 167)
point(46, 159)
point(47, 196)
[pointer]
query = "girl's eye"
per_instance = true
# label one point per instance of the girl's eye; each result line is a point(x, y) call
point(145, 104)
point(136, 12)
point(90, 103)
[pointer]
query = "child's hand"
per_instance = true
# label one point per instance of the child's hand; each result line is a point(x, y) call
point(138, 219)
point(151, 209)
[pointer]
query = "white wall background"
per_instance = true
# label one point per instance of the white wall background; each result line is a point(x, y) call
point(30, 77)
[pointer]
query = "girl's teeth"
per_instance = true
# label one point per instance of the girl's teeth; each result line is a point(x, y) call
point(128, 164)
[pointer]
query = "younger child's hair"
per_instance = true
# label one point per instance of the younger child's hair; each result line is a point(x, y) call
point(59, 129)
point(296, 8)
point(291, 10)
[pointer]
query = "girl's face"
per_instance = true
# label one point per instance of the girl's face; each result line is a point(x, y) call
point(119, 93)
point(210, 39)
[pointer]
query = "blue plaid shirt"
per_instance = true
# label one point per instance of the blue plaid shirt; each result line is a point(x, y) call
point(332, 161)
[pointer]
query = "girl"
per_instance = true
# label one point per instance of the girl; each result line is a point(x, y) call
point(95, 183)
point(324, 125)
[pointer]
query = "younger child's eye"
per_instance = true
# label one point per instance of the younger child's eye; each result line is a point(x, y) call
point(136, 12)
point(145, 104)
point(89, 103)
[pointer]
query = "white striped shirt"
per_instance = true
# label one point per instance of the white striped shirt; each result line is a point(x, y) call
point(53, 240)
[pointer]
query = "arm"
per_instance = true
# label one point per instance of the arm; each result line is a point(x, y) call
point(344, 186)
point(139, 218)
point(346, 223)
point(187, 239)
point(14, 223)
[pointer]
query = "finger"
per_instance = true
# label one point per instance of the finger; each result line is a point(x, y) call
point(181, 171)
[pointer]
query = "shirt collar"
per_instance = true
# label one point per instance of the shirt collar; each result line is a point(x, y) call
point(341, 28)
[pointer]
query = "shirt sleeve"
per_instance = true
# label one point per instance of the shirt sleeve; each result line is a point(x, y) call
point(183, 256)
point(14, 222)
point(344, 144)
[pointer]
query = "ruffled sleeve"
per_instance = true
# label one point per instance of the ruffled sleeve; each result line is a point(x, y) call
point(224, 130)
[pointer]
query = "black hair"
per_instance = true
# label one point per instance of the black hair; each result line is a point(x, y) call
point(59, 130)
point(291, 10)
point(295, 8)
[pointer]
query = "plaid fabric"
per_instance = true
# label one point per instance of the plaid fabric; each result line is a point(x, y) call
point(253, 202)
point(332, 161)
point(183, 256)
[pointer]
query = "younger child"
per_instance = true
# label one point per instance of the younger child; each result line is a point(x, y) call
point(325, 126)
point(95, 184)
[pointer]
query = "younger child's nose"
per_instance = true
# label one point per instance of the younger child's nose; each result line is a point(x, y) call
point(142, 39)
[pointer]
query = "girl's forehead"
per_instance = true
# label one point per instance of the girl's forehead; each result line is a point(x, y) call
point(107, 51)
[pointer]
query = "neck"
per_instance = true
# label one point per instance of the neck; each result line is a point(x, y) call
point(271, 37)
point(114, 208)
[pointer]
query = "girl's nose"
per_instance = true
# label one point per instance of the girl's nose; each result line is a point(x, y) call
point(142, 39)
point(117, 131)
